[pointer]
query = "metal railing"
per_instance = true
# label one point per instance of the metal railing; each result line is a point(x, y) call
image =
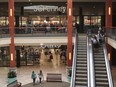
point(91, 64)
point(72, 84)
point(109, 74)
point(112, 33)
point(35, 31)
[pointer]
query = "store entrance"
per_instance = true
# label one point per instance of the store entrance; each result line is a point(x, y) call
point(43, 55)
point(92, 23)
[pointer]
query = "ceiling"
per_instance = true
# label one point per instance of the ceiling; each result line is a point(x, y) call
point(56, 0)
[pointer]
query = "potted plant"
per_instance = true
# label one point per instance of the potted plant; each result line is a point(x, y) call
point(11, 76)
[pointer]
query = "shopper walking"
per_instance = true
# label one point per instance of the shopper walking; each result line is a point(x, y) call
point(40, 76)
point(33, 76)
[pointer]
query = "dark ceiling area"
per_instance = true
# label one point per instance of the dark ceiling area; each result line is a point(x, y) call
point(76, 5)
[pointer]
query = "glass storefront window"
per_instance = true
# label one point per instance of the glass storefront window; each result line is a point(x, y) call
point(4, 56)
point(92, 23)
point(23, 21)
point(3, 21)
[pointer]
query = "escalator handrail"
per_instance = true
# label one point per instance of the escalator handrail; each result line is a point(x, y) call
point(72, 84)
point(92, 69)
point(110, 80)
point(88, 62)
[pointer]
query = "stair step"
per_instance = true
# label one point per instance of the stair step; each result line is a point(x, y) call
point(101, 79)
point(83, 53)
point(80, 50)
point(100, 72)
point(81, 68)
point(99, 59)
point(101, 53)
point(81, 75)
point(83, 65)
point(85, 56)
point(81, 79)
point(81, 71)
point(100, 65)
point(99, 56)
point(100, 68)
point(82, 57)
point(81, 61)
point(81, 83)
point(101, 75)
point(102, 84)
point(99, 62)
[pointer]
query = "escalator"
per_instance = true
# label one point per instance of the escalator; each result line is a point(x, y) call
point(101, 74)
point(81, 62)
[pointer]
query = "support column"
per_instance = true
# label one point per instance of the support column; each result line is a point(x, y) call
point(108, 24)
point(108, 14)
point(69, 15)
point(11, 27)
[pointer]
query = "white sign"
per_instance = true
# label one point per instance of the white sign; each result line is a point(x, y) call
point(42, 8)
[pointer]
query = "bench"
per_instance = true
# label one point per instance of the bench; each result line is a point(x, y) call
point(14, 84)
point(54, 77)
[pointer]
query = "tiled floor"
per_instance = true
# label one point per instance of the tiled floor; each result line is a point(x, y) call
point(24, 72)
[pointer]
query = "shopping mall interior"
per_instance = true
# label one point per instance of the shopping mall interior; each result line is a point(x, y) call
point(57, 37)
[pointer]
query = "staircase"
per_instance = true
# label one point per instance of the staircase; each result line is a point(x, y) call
point(101, 79)
point(81, 62)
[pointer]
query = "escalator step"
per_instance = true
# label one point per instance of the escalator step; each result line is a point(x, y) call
point(102, 84)
point(101, 79)
point(81, 79)
point(81, 71)
point(81, 50)
point(81, 53)
point(81, 68)
point(100, 72)
point(85, 56)
point(100, 68)
point(81, 83)
point(100, 65)
point(82, 65)
point(81, 86)
point(81, 75)
point(99, 56)
point(99, 59)
point(101, 75)
point(99, 62)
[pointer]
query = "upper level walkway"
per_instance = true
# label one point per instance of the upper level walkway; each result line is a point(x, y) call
point(42, 35)
point(35, 36)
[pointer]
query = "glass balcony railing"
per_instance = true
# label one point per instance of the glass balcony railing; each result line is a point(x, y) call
point(112, 33)
point(35, 31)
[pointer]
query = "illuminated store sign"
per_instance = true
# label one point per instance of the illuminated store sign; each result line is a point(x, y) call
point(42, 8)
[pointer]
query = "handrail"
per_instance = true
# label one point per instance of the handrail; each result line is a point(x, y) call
point(88, 63)
point(72, 84)
point(92, 72)
point(110, 80)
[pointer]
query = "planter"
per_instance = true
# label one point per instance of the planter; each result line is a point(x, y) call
point(10, 80)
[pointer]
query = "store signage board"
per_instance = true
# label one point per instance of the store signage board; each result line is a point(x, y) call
point(42, 8)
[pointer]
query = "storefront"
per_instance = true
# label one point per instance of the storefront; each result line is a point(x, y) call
point(4, 56)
